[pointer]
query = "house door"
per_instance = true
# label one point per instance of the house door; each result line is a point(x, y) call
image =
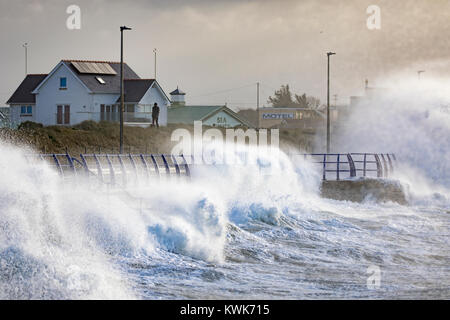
point(66, 114)
point(59, 114)
point(63, 114)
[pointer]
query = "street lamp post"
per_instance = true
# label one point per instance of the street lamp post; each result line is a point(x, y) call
point(154, 51)
point(328, 101)
point(121, 88)
point(257, 105)
point(419, 73)
point(25, 45)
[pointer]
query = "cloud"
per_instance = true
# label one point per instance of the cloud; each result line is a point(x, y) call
point(205, 46)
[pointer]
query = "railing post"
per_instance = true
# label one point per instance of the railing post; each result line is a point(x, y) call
point(337, 167)
point(324, 167)
point(155, 164)
point(99, 168)
point(391, 166)
point(186, 166)
point(55, 158)
point(133, 164)
point(365, 165)
point(351, 164)
point(386, 170)
point(69, 159)
point(379, 166)
point(111, 170)
point(124, 171)
point(145, 166)
point(166, 164)
point(177, 168)
point(85, 165)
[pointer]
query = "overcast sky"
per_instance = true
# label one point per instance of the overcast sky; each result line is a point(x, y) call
point(206, 47)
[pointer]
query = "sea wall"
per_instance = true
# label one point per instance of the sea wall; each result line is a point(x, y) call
point(358, 190)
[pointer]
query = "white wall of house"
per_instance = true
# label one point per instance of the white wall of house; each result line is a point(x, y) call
point(17, 117)
point(150, 97)
point(98, 100)
point(222, 119)
point(50, 95)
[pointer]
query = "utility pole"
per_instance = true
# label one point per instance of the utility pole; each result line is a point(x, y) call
point(25, 45)
point(121, 88)
point(328, 101)
point(257, 105)
point(420, 72)
point(154, 51)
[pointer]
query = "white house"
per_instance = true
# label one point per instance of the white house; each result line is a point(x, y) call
point(78, 90)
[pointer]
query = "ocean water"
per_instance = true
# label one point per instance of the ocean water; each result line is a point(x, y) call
point(232, 232)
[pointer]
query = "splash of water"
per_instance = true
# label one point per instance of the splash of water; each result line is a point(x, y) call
point(63, 241)
point(411, 119)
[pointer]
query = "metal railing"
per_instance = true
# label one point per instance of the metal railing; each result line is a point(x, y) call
point(116, 169)
point(125, 169)
point(337, 166)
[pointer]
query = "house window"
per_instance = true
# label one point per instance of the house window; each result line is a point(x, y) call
point(26, 110)
point(62, 83)
point(99, 79)
point(129, 108)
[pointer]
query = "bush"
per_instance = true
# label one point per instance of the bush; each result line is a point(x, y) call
point(30, 125)
point(87, 125)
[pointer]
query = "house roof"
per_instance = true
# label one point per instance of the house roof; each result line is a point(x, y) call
point(189, 114)
point(177, 92)
point(112, 82)
point(135, 89)
point(23, 92)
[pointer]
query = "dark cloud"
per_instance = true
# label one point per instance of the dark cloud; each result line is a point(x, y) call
point(206, 46)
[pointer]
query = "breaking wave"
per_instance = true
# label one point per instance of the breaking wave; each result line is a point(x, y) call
point(241, 231)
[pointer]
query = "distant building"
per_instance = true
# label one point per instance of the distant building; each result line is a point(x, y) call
point(78, 90)
point(178, 98)
point(370, 93)
point(4, 117)
point(214, 116)
point(301, 118)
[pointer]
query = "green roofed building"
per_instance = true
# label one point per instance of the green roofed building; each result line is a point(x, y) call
point(213, 116)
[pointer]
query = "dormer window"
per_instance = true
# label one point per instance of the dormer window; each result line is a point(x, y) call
point(99, 79)
point(62, 83)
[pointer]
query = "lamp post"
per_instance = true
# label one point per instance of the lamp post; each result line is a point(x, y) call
point(154, 51)
point(121, 88)
point(328, 101)
point(25, 45)
point(257, 105)
point(419, 73)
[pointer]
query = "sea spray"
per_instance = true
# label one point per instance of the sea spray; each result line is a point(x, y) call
point(256, 230)
point(411, 119)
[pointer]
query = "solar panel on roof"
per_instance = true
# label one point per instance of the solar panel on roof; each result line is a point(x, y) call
point(93, 67)
point(80, 67)
point(105, 68)
point(109, 69)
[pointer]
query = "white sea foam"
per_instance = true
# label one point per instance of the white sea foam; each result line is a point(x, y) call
point(226, 232)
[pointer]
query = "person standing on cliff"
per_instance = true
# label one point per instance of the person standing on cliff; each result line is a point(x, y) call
point(155, 115)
